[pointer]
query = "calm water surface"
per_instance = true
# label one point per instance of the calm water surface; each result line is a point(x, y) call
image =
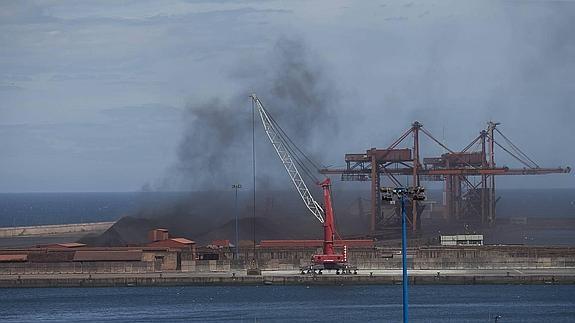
point(547, 303)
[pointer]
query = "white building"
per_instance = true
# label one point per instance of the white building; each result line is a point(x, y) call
point(462, 240)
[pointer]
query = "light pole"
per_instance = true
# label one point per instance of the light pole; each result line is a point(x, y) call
point(402, 194)
point(237, 244)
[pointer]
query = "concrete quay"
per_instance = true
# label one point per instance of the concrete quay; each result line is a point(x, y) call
point(239, 278)
point(54, 229)
point(22, 237)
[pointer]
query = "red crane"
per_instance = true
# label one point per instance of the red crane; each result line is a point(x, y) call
point(289, 155)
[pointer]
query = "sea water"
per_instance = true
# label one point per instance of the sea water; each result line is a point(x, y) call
point(456, 303)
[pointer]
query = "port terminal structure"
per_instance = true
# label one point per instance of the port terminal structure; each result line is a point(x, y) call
point(468, 176)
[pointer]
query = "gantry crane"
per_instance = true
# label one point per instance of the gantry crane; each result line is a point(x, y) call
point(289, 155)
point(464, 199)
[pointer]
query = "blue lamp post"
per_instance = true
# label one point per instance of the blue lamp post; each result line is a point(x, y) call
point(404, 258)
point(403, 194)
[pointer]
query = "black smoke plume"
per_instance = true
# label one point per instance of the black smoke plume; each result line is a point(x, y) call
point(216, 151)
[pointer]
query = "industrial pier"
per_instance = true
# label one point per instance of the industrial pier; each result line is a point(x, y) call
point(178, 261)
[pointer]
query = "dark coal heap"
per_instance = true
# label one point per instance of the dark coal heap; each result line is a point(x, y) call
point(207, 216)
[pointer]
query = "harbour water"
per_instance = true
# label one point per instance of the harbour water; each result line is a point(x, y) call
point(455, 303)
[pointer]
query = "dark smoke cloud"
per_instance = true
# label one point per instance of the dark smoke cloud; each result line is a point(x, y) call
point(305, 98)
point(215, 149)
point(215, 152)
point(211, 142)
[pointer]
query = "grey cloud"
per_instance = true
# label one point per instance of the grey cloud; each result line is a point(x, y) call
point(459, 66)
point(152, 112)
point(10, 87)
point(14, 12)
point(191, 17)
point(401, 18)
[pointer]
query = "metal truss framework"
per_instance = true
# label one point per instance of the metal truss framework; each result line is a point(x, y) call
point(468, 175)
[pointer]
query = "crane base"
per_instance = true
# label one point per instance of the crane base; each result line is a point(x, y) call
point(254, 272)
point(318, 269)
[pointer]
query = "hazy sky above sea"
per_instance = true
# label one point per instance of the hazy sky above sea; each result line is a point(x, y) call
point(92, 93)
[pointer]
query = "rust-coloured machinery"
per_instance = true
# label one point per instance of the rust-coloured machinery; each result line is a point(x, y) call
point(289, 154)
point(464, 198)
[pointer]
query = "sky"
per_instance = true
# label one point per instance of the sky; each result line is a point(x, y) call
point(96, 95)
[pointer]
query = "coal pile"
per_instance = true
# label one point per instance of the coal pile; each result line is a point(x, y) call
point(127, 231)
point(203, 217)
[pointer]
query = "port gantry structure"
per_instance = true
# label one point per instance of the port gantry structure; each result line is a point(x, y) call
point(464, 197)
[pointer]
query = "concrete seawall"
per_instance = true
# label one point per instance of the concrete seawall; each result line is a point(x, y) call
point(59, 267)
point(167, 279)
point(43, 230)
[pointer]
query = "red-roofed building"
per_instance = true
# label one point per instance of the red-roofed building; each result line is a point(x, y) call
point(218, 244)
point(175, 243)
point(158, 235)
point(13, 258)
point(106, 255)
point(315, 243)
point(62, 245)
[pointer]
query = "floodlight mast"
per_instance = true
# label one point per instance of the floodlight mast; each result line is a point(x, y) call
point(416, 193)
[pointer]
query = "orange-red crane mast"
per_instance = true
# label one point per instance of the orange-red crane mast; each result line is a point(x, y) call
point(328, 259)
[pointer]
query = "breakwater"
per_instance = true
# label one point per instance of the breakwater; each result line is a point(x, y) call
point(166, 279)
point(53, 229)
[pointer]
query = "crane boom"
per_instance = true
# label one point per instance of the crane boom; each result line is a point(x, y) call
point(282, 150)
point(328, 259)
